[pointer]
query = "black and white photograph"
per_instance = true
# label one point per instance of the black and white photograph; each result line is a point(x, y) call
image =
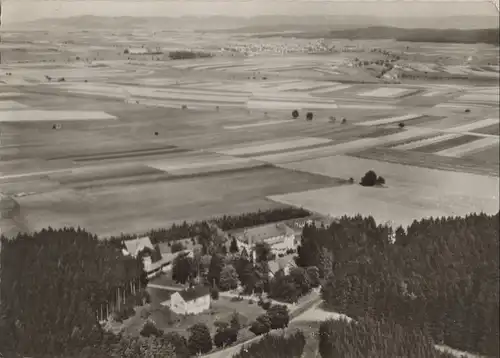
point(249, 179)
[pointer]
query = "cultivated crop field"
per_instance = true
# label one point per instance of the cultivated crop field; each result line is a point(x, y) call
point(118, 143)
point(411, 192)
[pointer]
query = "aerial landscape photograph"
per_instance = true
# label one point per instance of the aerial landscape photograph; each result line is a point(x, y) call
point(249, 179)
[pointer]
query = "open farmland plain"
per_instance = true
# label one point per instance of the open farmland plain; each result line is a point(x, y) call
point(117, 144)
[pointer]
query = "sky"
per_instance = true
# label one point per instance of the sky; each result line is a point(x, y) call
point(27, 10)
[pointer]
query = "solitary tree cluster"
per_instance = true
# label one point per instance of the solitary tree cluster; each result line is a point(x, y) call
point(371, 179)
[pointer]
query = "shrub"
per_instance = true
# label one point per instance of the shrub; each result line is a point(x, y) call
point(214, 293)
point(150, 329)
point(401, 125)
point(184, 106)
point(278, 315)
point(344, 120)
point(370, 178)
point(467, 110)
point(309, 116)
point(199, 339)
point(333, 119)
point(295, 114)
point(266, 305)
point(225, 335)
point(351, 180)
point(261, 325)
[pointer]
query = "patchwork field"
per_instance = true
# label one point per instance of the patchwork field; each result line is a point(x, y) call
point(121, 144)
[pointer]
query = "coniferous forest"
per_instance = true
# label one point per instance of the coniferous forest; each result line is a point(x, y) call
point(441, 275)
point(56, 285)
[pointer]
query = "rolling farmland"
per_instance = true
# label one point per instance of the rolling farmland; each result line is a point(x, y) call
point(129, 145)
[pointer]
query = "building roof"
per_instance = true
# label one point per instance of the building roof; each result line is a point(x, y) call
point(137, 245)
point(264, 232)
point(193, 293)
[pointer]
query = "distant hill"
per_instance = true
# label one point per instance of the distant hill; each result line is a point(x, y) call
point(488, 36)
point(259, 24)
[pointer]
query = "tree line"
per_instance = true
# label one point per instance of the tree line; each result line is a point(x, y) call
point(349, 339)
point(440, 275)
point(56, 285)
point(226, 223)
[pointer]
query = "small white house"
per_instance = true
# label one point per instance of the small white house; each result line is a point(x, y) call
point(193, 300)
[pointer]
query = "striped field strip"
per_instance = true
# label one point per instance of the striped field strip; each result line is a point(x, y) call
point(289, 104)
point(384, 92)
point(331, 89)
point(11, 105)
point(432, 93)
point(258, 124)
point(366, 106)
point(461, 106)
point(377, 122)
point(10, 94)
point(219, 161)
point(476, 125)
point(468, 148)
point(341, 148)
point(276, 146)
point(426, 141)
point(44, 115)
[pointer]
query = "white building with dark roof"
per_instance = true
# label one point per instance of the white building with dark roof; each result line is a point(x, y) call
point(279, 236)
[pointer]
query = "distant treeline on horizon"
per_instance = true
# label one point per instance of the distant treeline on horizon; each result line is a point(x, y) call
point(486, 36)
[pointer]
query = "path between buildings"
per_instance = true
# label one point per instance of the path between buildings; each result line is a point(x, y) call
point(233, 350)
point(316, 313)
